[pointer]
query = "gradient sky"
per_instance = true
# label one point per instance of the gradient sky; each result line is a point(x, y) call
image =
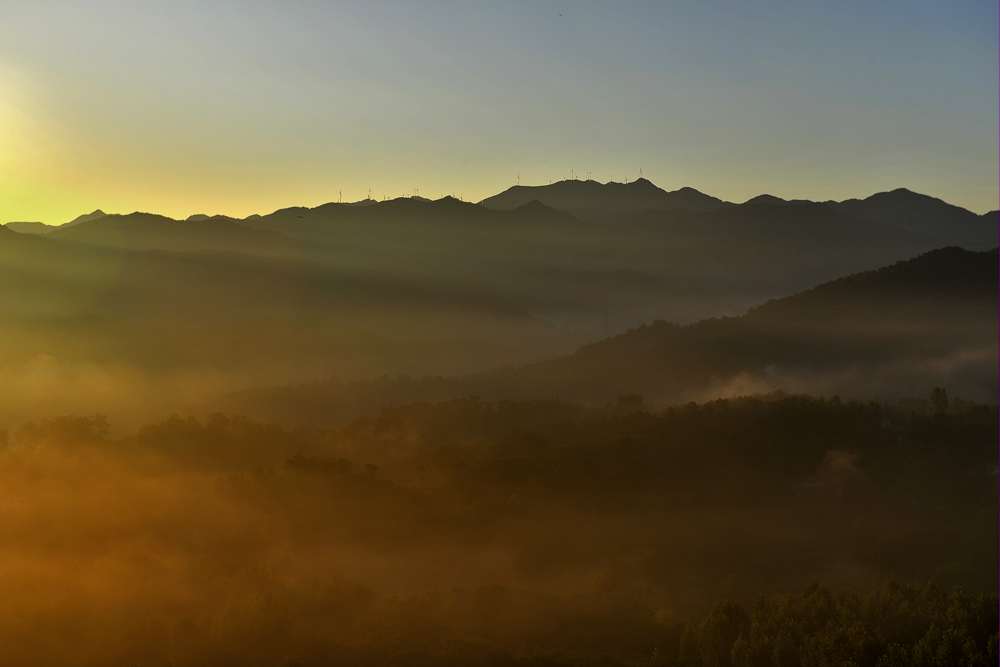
point(241, 107)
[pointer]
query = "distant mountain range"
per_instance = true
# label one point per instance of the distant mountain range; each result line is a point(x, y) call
point(590, 199)
point(454, 288)
point(29, 227)
point(148, 231)
point(86, 217)
point(689, 254)
point(928, 320)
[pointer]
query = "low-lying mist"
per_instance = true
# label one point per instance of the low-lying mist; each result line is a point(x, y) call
point(463, 530)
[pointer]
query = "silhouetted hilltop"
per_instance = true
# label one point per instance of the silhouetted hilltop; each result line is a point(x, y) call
point(201, 217)
point(413, 222)
point(771, 200)
point(925, 288)
point(591, 199)
point(29, 227)
point(86, 217)
point(688, 198)
point(909, 210)
point(926, 320)
point(149, 231)
point(765, 200)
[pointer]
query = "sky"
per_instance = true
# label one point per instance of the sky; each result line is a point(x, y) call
point(245, 107)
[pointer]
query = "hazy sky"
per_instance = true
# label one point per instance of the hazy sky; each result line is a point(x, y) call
point(240, 107)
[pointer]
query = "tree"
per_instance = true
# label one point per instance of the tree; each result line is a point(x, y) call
point(939, 400)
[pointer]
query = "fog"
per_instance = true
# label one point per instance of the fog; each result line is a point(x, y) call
point(465, 529)
point(443, 434)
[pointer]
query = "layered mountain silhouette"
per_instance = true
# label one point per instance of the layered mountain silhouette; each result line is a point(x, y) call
point(447, 287)
point(29, 227)
point(85, 217)
point(890, 333)
point(591, 199)
point(928, 320)
point(599, 256)
point(148, 231)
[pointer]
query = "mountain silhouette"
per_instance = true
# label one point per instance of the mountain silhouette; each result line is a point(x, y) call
point(930, 319)
point(86, 217)
point(590, 199)
point(581, 279)
point(893, 332)
point(909, 210)
point(771, 200)
point(148, 231)
point(29, 227)
point(455, 288)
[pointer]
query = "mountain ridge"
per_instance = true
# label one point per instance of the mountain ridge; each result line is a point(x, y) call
point(683, 198)
point(917, 323)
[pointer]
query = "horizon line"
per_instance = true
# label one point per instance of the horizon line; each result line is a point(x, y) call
point(517, 185)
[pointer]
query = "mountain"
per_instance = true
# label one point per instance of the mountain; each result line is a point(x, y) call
point(580, 278)
point(771, 200)
point(148, 231)
point(593, 200)
point(202, 217)
point(894, 332)
point(86, 217)
point(799, 237)
point(29, 227)
point(929, 320)
point(456, 288)
point(447, 238)
point(910, 211)
point(92, 317)
point(414, 211)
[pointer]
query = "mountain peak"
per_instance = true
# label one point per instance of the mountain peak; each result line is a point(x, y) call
point(900, 194)
point(765, 200)
point(644, 183)
point(589, 199)
point(23, 227)
point(86, 217)
point(449, 199)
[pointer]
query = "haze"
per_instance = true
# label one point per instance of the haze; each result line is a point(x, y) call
point(242, 108)
point(498, 334)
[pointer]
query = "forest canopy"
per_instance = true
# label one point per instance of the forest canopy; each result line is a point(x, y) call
point(535, 533)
